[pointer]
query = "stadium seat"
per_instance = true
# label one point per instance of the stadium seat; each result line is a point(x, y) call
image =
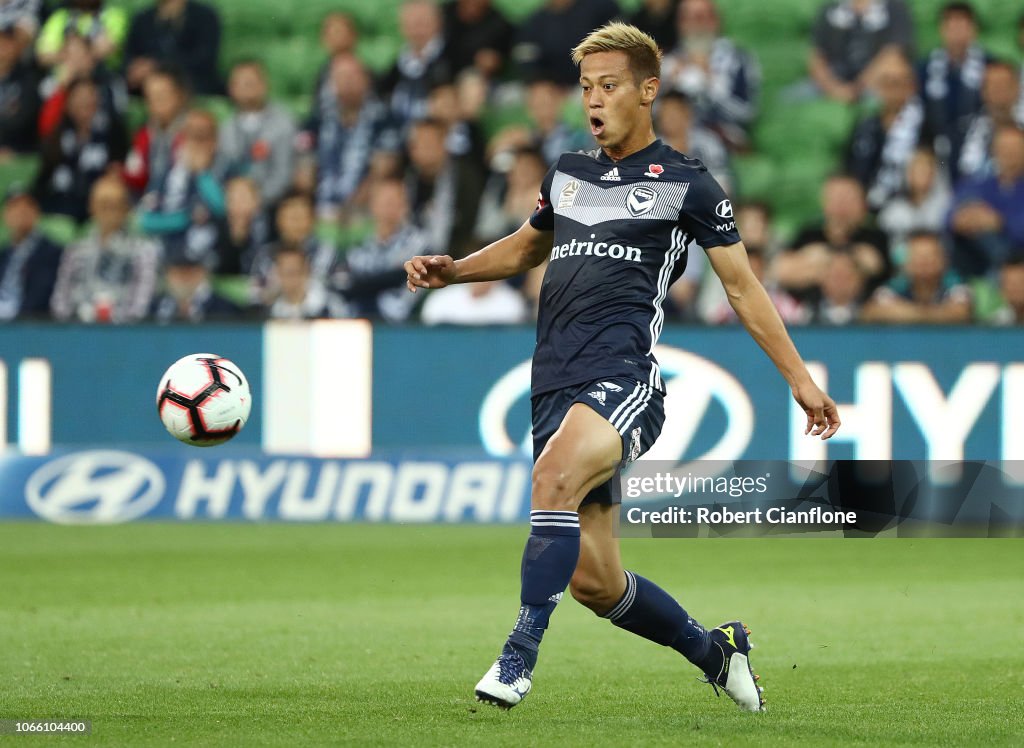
point(60, 229)
point(135, 116)
point(292, 65)
point(233, 287)
point(793, 128)
point(985, 297)
point(379, 52)
point(329, 231)
point(218, 106)
point(20, 170)
point(255, 18)
point(755, 176)
point(517, 10)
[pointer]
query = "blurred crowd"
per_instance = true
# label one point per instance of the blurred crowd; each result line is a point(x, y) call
point(249, 210)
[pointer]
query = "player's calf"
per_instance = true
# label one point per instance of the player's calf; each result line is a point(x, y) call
point(593, 592)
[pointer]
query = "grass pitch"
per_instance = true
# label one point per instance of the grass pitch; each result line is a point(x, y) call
point(373, 635)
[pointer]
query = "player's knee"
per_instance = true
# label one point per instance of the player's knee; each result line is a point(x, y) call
point(553, 488)
point(591, 592)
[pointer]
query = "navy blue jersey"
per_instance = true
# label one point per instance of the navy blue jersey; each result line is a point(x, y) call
point(622, 229)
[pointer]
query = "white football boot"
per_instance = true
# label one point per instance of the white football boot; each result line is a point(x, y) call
point(736, 676)
point(507, 682)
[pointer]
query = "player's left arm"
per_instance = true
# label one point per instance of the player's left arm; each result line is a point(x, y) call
point(755, 310)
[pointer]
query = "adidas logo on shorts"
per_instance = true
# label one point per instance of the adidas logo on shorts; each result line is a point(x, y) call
point(598, 395)
point(612, 176)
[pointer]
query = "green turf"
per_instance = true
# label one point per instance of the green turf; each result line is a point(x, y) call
point(373, 635)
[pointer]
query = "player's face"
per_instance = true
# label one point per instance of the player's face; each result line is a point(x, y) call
point(617, 107)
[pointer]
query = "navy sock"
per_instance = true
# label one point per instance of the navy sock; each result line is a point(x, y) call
point(648, 611)
point(549, 560)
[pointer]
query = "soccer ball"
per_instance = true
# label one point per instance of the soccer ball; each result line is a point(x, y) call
point(203, 400)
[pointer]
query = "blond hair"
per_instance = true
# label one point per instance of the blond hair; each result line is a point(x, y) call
point(642, 51)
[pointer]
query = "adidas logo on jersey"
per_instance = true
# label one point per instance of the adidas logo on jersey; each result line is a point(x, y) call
point(598, 395)
point(612, 176)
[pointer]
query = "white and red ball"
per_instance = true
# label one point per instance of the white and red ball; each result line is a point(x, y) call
point(203, 400)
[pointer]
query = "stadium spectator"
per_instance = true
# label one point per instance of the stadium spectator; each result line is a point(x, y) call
point(186, 208)
point(188, 295)
point(509, 196)
point(674, 123)
point(444, 192)
point(658, 19)
point(102, 25)
point(475, 304)
point(922, 205)
point(925, 291)
point(841, 293)
point(245, 229)
point(446, 103)
point(420, 62)
point(339, 36)
point(19, 98)
point(951, 78)
point(546, 36)
point(20, 18)
point(847, 38)
point(156, 142)
point(882, 143)
point(1011, 291)
point(77, 61)
point(28, 260)
point(301, 295)
point(180, 34)
point(372, 278)
point(547, 132)
point(347, 136)
point(86, 144)
point(295, 221)
point(258, 140)
point(754, 222)
point(111, 275)
point(791, 310)
point(722, 80)
point(478, 37)
point(987, 219)
point(545, 101)
point(1019, 113)
point(845, 227)
point(1000, 93)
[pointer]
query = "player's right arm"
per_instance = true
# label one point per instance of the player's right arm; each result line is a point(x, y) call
point(518, 252)
point(514, 254)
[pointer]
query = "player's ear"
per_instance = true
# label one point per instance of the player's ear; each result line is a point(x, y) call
point(649, 91)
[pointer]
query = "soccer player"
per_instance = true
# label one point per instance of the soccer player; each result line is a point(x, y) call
point(622, 216)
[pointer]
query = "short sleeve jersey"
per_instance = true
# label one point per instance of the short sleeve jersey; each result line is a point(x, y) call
point(621, 234)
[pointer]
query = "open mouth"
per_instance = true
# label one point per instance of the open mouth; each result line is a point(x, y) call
point(596, 126)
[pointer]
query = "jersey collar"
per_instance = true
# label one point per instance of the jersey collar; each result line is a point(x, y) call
point(642, 154)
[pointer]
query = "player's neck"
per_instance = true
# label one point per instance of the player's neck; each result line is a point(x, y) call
point(630, 146)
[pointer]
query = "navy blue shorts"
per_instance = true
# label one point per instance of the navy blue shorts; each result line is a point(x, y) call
point(635, 409)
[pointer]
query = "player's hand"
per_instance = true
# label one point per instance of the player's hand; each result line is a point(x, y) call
point(822, 414)
point(432, 271)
